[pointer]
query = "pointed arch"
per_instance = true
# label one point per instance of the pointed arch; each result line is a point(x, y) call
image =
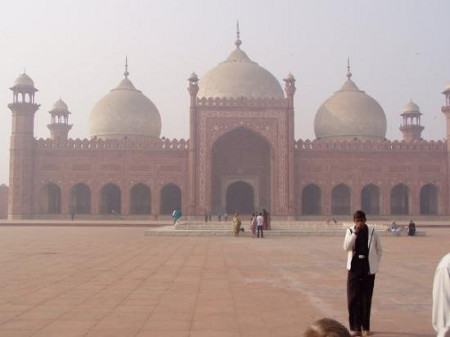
point(110, 199)
point(80, 199)
point(240, 198)
point(170, 199)
point(340, 200)
point(400, 200)
point(140, 199)
point(311, 200)
point(50, 199)
point(429, 200)
point(370, 199)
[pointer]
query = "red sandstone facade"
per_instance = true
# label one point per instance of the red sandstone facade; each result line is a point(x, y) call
point(241, 156)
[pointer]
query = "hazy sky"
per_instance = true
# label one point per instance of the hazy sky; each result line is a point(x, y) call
point(399, 49)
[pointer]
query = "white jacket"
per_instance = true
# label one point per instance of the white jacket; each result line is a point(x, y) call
point(375, 250)
point(441, 297)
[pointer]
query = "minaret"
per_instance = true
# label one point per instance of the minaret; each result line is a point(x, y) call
point(59, 126)
point(23, 109)
point(193, 91)
point(411, 128)
point(290, 89)
point(446, 110)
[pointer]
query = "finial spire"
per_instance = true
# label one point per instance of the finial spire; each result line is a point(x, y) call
point(349, 74)
point(126, 73)
point(238, 41)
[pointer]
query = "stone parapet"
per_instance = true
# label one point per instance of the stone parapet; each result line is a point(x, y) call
point(241, 102)
point(314, 145)
point(113, 144)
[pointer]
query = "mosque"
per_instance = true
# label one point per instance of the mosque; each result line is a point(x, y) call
point(241, 154)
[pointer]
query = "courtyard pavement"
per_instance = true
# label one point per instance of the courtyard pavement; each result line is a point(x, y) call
point(111, 281)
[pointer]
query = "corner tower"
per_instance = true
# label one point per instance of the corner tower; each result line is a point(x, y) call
point(23, 109)
point(411, 128)
point(59, 126)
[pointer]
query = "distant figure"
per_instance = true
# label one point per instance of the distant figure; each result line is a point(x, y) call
point(219, 216)
point(411, 228)
point(259, 225)
point(225, 216)
point(265, 215)
point(253, 224)
point(236, 224)
point(206, 217)
point(395, 229)
point(363, 256)
point(72, 215)
point(176, 215)
point(441, 298)
point(326, 327)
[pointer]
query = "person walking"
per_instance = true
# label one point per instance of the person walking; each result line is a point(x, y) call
point(236, 224)
point(364, 253)
point(259, 225)
point(253, 224)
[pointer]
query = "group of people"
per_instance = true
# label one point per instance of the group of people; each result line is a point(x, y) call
point(395, 229)
point(258, 223)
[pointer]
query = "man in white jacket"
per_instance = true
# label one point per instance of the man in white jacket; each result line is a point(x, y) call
point(364, 254)
point(441, 298)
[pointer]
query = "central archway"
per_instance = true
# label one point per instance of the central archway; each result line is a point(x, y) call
point(241, 155)
point(240, 198)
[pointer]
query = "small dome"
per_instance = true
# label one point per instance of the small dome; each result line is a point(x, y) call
point(411, 107)
point(238, 76)
point(24, 81)
point(350, 114)
point(60, 106)
point(125, 113)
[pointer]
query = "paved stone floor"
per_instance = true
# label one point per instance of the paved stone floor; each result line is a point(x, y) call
point(105, 281)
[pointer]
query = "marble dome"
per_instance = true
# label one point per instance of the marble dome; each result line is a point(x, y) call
point(238, 76)
point(60, 105)
point(125, 112)
point(411, 107)
point(350, 114)
point(24, 81)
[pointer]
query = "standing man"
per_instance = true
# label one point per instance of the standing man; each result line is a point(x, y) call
point(259, 225)
point(364, 253)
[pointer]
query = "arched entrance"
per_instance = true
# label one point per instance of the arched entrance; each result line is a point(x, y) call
point(240, 155)
point(311, 200)
point(170, 199)
point(240, 198)
point(370, 199)
point(80, 199)
point(429, 200)
point(50, 199)
point(110, 199)
point(140, 199)
point(400, 200)
point(340, 200)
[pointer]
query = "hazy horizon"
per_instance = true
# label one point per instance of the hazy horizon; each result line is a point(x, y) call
point(76, 51)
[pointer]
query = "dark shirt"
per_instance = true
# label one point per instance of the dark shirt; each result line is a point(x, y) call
point(362, 240)
point(360, 261)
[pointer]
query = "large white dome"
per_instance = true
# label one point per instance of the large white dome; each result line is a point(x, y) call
point(350, 114)
point(238, 76)
point(125, 113)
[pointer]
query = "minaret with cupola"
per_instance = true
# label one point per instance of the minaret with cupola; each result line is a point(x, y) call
point(446, 110)
point(23, 109)
point(411, 128)
point(59, 126)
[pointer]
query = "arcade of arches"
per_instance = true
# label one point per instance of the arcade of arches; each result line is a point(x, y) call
point(239, 196)
point(110, 201)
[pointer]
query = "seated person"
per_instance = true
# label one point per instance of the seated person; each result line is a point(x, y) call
point(411, 228)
